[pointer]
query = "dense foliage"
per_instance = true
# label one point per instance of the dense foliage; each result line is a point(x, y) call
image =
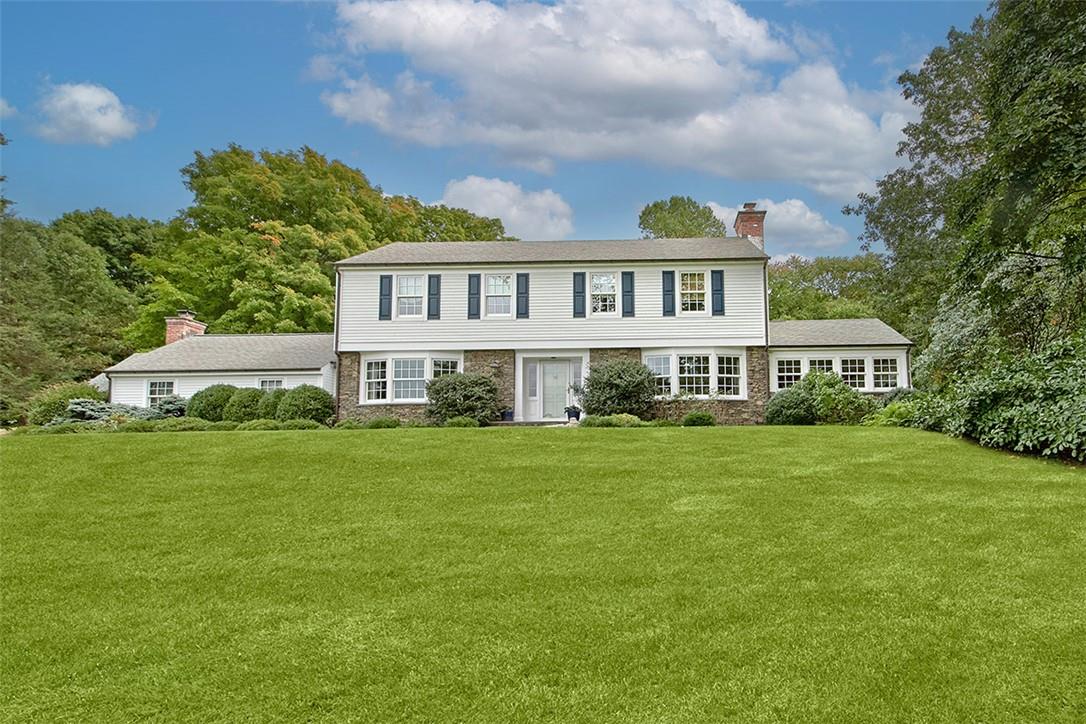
point(210, 402)
point(171, 406)
point(827, 287)
point(698, 418)
point(679, 217)
point(794, 405)
point(244, 405)
point(463, 395)
point(461, 421)
point(268, 406)
point(618, 386)
point(52, 402)
point(822, 398)
point(306, 402)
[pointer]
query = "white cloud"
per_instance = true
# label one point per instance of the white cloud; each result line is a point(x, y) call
point(791, 227)
point(87, 113)
point(526, 214)
point(6, 109)
point(672, 82)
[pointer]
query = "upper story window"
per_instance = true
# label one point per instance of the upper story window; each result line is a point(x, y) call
point(853, 372)
point(885, 372)
point(789, 372)
point(268, 384)
point(409, 295)
point(692, 291)
point(604, 293)
point(499, 294)
point(158, 389)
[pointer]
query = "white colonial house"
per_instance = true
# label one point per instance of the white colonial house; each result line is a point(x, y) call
point(536, 315)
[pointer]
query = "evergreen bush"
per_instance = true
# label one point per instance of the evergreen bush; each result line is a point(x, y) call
point(300, 424)
point(620, 386)
point(208, 403)
point(306, 402)
point(52, 402)
point(461, 421)
point(269, 404)
point(699, 418)
point(171, 406)
point(463, 395)
point(243, 405)
point(259, 425)
point(350, 425)
point(381, 423)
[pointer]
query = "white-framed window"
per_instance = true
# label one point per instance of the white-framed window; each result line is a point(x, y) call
point(409, 295)
point(692, 291)
point(854, 372)
point(660, 365)
point(377, 379)
point(158, 389)
point(499, 295)
point(728, 375)
point(409, 379)
point(441, 367)
point(821, 365)
point(533, 380)
point(885, 372)
point(694, 375)
point(604, 291)
point(267, 384)
point(789, 372)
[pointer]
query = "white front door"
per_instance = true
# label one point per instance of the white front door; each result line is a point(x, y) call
point(555, 378)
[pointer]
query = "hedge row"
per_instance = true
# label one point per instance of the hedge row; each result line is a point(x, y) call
point(219, 403)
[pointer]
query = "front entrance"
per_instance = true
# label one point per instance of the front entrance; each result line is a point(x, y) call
point(555, 393)
point(545, 384)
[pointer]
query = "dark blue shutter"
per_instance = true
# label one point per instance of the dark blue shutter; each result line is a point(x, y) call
point(578, 294)
point(522, 296)
point(433, 296)
point(627, 294)
point(384, 309)
point(669, 293)
point(718, 292)
point(473, 296)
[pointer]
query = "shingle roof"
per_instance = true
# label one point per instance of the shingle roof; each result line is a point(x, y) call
point(403, 253)
point(833, 333)
point(234, 352)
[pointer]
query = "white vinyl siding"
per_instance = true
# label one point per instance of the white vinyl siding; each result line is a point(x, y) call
point(134, 389)
point(875, 369)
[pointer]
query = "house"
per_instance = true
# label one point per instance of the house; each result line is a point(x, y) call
point(536, 315)
point(192, 360)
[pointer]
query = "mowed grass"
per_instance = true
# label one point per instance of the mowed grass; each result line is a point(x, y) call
point(660, 575)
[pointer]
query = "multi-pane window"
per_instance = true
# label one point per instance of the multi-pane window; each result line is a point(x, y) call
point(499, 294)
point(885, 372)
point(727, 375)
point(604, 293)
point(853, 372)
point(789, 372)
point(377, 380)
point(269, 384)
point(692, 291)
point(408, 379)
point(445, 367)
point(660, 365)
point(158, 389)
point(694, 374)
point(821, 365)
point(409, 296)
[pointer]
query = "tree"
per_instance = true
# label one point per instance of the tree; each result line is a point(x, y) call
point(825, 287)
point(121, 238)
point(679, 217)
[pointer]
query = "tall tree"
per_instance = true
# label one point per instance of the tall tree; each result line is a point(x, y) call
point(825, 288)
point(679, 217)
point(121, 238)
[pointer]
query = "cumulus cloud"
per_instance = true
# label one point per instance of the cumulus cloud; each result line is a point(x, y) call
point(673, 82)
point(526, 214)
point(6, 109)
point(791, 227)
point(87, 113)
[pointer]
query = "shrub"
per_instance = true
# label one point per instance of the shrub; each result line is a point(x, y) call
point(306, 402)
point(626, 420)
point(662, 423)
point(463, 395)
point(65, 428)
point(243, 405)
point(895, 414)
point(208, 403)
point(96, 411)
point(794, 405)
point(699, 418)
point(269, 404)
point(171, 406)
point(259, 425)
point(381, 423)
point(898, 394)
point(620, 386)
point(223, 426)
point(52, 402)
point(835, 402)
point(461, 421)
point(599, 421)
point(350, 425)
point(182, 424)
point(137, 426)
point(300, 424)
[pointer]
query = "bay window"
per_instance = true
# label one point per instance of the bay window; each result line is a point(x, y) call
point(402, 377)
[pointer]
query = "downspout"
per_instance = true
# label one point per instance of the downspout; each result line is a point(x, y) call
point(335, 341)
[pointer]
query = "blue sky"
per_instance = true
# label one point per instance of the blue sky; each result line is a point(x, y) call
point(562, 118)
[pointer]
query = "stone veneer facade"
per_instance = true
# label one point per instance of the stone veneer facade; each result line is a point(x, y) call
point(501, 364)
point(750, 411)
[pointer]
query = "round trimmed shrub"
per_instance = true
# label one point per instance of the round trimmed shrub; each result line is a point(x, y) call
point(382, 423)
point(621, 386)
point(461, 421)
point(208, 403)
point(269, 404)
point(223, 426)
point(794, 405)
point(259, 425)
point(171, 406)
point(623, 419)
point(243, 405)
point(301, 424)
point(699, 418)
point(306, 402)
point(182, 424)
point(463, 395)
point(350, 425)
point(52, 402)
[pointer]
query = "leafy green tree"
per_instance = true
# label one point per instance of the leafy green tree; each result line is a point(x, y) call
point(679, 217)
point(825, 287)
point(121, 238)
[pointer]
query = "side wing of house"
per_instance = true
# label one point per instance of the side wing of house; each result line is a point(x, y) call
point(867, 369)
point(143, 389)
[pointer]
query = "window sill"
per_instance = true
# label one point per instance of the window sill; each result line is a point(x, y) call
point(392, 402)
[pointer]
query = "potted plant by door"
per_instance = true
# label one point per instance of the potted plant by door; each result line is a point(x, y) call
point(573, 413)
point(507, 415)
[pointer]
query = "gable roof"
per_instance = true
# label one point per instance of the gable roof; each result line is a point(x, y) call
point(407, 253)
point(834, 333)
point(234, 353)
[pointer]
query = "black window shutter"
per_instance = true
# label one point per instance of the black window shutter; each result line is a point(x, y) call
point(433, 296)
point(718, 292)
point(473, 296)
point(669, 293)
point(627, 294)
point(578, 294)
point(522, 296)
point(384, 309)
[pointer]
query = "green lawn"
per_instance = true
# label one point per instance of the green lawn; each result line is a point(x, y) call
point(540, 574)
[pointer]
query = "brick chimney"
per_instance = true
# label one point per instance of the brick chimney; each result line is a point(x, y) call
point(183, 325)
point(751, 224)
